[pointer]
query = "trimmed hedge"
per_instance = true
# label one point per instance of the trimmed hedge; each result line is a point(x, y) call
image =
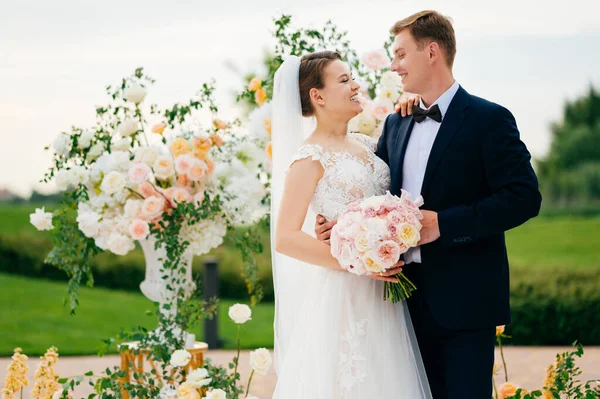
point(549, 307)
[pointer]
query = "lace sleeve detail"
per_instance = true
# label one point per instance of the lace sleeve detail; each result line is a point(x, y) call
point(365, 140)
point(313, 151)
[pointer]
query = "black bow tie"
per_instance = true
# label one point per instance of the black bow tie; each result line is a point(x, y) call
point(420, 114)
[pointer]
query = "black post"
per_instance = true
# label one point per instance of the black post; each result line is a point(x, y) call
point(211, 290)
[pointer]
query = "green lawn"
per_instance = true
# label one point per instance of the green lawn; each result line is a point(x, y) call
point(33, 318)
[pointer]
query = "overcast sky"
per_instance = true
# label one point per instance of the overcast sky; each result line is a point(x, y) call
point(57, 56)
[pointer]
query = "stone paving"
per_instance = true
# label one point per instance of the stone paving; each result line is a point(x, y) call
point(526, 366)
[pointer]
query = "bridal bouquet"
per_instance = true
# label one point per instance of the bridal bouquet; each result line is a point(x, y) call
point(371, 234)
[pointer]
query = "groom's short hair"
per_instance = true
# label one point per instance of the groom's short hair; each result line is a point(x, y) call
point(430, 26)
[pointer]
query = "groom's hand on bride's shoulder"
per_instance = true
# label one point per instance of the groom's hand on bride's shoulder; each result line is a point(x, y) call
point(323, 228)
point(406, 102)
point(431, 229)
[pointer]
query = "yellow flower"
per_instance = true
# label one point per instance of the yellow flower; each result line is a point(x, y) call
point(179, 147)
point(507, 390)
point(549, 382)
point(371, 264)
point(408, 234)
point(260, 96)
point(16, 378)
point(255, 84)
point(46, 383)
point(496, 368)
point(269, 150)
point(499, 330)
point(159, 128)
point(267, 125)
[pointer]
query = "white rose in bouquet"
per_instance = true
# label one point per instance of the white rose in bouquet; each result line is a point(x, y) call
point(113, 182)
point(121, 145)
point(88, 222)
point(363, 123)
point(128, 127)
point(96, 150)
point(147, 155)
point(62, 145)
point(391, 80)
point(85, 139)
point(164, 168)
point(62, 178)
point(120, 244)
point(259, 122)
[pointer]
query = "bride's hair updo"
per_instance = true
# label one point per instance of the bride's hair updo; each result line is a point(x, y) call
point(311, 76)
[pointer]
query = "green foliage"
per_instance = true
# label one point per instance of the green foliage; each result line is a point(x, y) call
point(570, 173)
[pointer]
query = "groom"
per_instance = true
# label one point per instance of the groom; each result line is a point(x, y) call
point(463, 154)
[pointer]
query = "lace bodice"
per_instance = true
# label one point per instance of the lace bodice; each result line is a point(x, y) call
point(347, 176)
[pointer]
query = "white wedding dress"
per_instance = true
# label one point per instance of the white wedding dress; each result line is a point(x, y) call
point(342, 340)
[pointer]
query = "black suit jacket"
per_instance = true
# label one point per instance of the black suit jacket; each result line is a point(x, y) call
point(480, 181)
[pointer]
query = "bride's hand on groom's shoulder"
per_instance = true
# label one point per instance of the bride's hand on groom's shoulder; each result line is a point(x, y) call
point(406, 102)
point(323, 228)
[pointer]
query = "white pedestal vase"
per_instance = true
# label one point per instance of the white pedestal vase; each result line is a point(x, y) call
point(154, 286)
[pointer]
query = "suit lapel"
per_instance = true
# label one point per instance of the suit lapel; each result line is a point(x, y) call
point(402, 137)
point(450, 125)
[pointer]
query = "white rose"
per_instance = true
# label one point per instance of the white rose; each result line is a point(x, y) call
point(85, 139)
point(391, 80)
point(180, 358)
point(139, 172)
point(135, 93)
point(88, 223)
point(62, 144)
point(199, 378)
point(119, 160)
point(62, 178)
point(99, 201)
point(113, 183)
point(240, 313)
point(257, 124)
point(132, 208)
point(216, 394)
point(163, 167)
point(41, 219)
point(376, 60)
point(120, 244)
point(364, 123)
point(146, 155)
point(260, 360)
point(168, 392)
point(392, 93)
point(79, 175)
point(121, 145)
point(128, 127)
point(96, 150)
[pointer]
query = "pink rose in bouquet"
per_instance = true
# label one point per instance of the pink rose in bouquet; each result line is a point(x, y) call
point(372, 234)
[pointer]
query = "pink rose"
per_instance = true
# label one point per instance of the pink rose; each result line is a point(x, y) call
point(153, 207)
point(180, 195)
point(369, 212)
point(139, 172)
point(376, 60)
point(148, 190)
point(183, 163)
point(388, 253)
point(197, 170)
point(382, 108)
point(139, 229)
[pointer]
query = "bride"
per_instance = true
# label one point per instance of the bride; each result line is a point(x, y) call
point(335, 336)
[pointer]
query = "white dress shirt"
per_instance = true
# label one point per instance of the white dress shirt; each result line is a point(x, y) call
point(417, 154)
